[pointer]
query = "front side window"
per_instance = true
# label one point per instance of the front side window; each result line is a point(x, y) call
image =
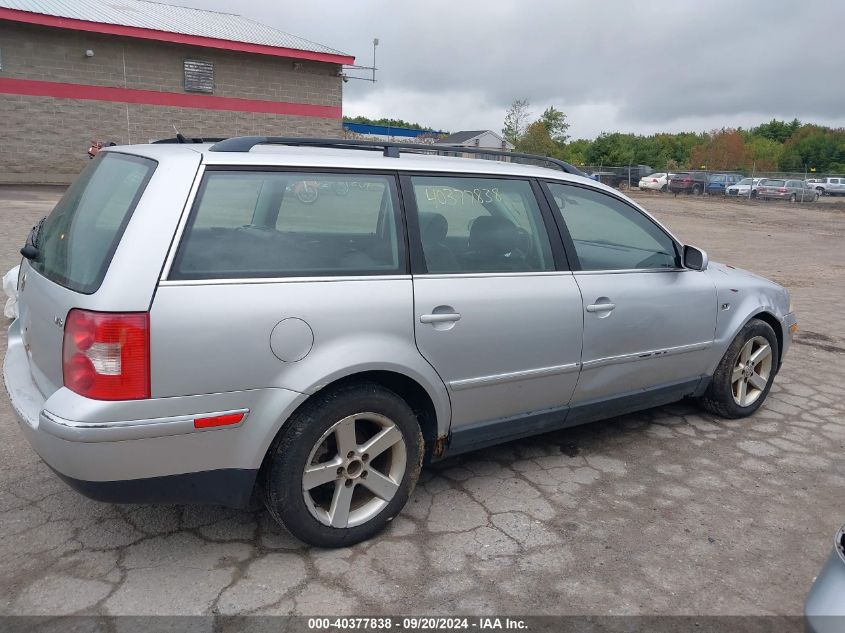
point(79, 237)
point(480, 225)
point(609, 234)
point(282, 224)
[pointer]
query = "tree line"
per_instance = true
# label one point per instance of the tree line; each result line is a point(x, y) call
point(776, 145)
point(773, 146)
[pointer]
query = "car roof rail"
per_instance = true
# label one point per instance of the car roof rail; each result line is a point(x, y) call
point(388, 148)
point(180, 139)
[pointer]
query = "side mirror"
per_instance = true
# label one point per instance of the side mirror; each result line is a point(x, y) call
point(695, 258)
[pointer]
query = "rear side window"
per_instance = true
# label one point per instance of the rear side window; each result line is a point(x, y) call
point(78, 239)
point(478, 225)
point(281, 224)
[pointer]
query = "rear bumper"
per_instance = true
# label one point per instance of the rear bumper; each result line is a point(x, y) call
point(147, 451)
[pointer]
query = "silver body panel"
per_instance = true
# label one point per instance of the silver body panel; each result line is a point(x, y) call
point(522, 343)
point(502, 357)
point(643, 341)
point(825, 606)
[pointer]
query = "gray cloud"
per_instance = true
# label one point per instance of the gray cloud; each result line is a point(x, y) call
point(610, 65)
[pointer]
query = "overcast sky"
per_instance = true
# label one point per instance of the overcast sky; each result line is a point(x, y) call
point(625, 66)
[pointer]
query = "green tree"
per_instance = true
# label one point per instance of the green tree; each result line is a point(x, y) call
point(555, 122)
point(516, 120)
point(537, 140)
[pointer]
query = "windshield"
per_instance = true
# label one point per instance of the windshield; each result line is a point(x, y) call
point(774, 183)
point(79, 237)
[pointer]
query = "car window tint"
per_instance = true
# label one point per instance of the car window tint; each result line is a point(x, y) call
point(79, 237)
point(279, 224)
point(470, 225)
point(609, 234)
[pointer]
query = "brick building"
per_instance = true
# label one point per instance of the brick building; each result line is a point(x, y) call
point(129, 71)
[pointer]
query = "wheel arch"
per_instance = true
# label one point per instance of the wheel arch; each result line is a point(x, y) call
point(433, 419)
point(774, 322)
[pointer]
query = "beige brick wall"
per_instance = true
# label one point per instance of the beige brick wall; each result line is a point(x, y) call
point(43, 139)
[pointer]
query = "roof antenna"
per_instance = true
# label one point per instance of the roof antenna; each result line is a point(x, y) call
point(179, 137)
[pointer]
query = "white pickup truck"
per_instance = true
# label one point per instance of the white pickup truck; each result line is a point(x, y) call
point(833, 186)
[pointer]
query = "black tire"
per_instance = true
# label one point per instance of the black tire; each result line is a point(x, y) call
point(753, 194)
point(281, 476)
point(820, 190)
point(793, 198)
point(696, 190)
point(664, 189)
point(718, 399)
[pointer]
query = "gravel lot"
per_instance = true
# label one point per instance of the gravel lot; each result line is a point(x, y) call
point(670, 511)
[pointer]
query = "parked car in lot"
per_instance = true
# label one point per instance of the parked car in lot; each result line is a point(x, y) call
point(742, 187)
point(692, 182)
point(833, 186)
point(190, 330)
point(657, 182)
point(621, 177)
point(825, 608)
point(717, 184)
point(784, 189)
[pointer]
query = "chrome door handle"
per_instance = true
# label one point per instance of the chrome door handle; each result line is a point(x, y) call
point(446, 317)
point(601, 307)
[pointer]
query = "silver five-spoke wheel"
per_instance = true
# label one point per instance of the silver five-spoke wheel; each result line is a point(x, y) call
point(354, 470)
point(752, 371)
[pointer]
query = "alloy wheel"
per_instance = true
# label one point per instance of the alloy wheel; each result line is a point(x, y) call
point(752, 371)
point(354, 470)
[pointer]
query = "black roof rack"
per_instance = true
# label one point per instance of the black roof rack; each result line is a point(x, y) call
point(179, 139)
point(390, 149)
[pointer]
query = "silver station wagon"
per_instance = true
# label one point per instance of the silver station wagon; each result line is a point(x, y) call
point(315, 319)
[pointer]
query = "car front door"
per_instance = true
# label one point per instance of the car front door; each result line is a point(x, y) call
point(648, 322)
point(497, 313)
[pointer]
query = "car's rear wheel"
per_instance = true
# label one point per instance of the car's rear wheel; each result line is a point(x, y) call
point(820, 190)
point(793, 198)
point(344, 466)
point(696, 190)
point(664, 189)
point(745, 374)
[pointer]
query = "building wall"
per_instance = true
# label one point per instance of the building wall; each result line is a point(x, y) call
point(45, 139)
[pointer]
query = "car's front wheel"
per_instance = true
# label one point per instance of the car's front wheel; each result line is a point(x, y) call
point(344, 466)
point(745, 374)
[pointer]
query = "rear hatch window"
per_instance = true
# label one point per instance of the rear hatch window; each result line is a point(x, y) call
point(77, 240)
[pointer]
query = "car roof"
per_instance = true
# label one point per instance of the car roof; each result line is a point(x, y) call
point(338, 158)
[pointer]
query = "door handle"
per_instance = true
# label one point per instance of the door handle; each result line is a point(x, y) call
point(446, 317)
point(601, 307)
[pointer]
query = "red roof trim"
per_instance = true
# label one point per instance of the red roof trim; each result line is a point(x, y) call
point(153, 97)
point(15, 15)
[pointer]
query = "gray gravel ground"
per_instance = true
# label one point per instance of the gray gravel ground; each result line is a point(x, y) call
point(669, 511)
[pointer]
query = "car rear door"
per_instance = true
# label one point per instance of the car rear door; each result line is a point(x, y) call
point(497, 313)
point(648, 322)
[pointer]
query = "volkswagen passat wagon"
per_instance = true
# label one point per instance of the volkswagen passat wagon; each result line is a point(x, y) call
point(191, 329)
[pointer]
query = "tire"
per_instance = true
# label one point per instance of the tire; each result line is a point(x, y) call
point(696, 190)
point(820, 190)
point(721, 395)
point(793, 198)
point(664, 189)
point(307, 440)
point(753, 194)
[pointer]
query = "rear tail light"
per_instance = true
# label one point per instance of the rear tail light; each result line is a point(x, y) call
point(782, 190)
point(106, 355)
